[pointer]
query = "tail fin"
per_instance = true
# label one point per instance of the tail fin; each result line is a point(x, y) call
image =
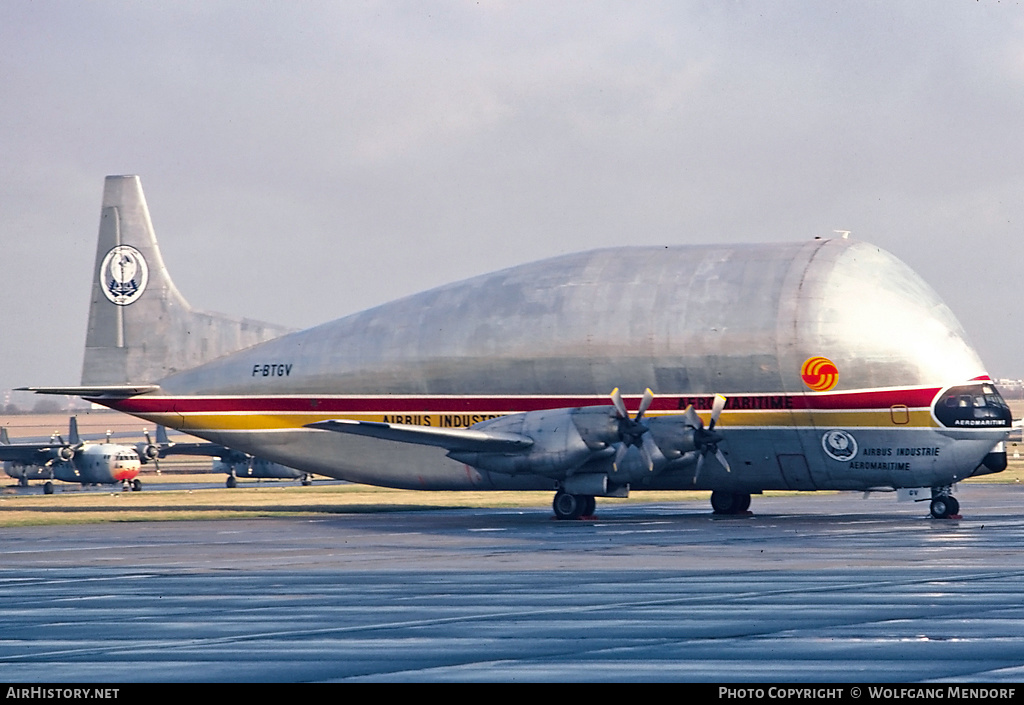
point(73, 437)
point(4, 438)
point(141, 329)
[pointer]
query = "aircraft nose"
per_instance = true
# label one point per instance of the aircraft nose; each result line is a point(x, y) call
point(995, 460)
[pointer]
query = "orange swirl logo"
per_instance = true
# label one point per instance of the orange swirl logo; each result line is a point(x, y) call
point(820, 374)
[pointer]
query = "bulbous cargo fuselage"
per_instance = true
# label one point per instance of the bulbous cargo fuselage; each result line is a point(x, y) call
point(833, 355)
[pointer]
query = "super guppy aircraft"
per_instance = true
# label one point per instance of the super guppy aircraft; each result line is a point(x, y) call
point(826, 364)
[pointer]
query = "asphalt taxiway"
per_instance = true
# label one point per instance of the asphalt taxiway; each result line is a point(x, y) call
point(156, 483)
point(824, 588)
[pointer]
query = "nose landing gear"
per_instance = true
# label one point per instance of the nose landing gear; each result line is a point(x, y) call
point(944, 505)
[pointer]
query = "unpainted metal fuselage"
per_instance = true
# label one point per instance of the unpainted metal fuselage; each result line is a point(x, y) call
point(910, 405)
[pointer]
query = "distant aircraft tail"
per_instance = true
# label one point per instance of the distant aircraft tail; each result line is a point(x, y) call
point(141, 328)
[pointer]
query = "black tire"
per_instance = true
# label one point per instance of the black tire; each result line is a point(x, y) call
point(944, 507)
point(589, 506)
point(232, 482)
point(940, 507)
point(48, 487)
point(742, 503)
point(136, 485)
point(568, 506)
point(723, 502)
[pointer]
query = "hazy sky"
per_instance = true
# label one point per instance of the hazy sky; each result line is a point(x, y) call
point(305, 160)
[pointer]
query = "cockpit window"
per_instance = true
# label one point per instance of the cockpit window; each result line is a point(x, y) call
point(972, 405)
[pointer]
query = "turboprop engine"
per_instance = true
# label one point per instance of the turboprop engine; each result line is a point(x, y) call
point(563, 441)
point(147, 450)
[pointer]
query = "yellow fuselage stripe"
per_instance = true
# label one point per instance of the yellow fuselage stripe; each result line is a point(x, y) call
point(256, 421)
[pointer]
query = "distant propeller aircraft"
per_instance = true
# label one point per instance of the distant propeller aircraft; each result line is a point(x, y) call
point(826, 364)
point(74, 460)
point(234, 463)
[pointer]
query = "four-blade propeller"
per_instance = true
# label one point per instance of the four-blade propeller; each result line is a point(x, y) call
point(633, 432)
point(707, 440)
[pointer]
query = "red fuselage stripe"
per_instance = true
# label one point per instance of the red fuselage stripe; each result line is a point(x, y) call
point(878, 399)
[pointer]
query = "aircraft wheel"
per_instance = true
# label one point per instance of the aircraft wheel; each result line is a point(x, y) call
point(944, 506)
point(727, 502)
point(589, 506)
point(306, 481)
point(568, 506)
point(742, 503)
point(48, 488)
point(136, 485)
point(232, 482)
point(22, 481)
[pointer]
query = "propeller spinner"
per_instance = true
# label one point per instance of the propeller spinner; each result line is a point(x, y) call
point(149, 451)
point(633, 431)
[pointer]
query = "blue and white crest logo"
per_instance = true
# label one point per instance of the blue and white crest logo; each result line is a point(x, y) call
point(124, 275)
point(839, 445)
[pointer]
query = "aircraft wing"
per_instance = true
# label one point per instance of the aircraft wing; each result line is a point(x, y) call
point(453, 439)
point(24, 454)
point(28, 453)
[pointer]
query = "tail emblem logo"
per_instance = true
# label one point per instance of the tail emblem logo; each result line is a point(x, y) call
point(124, 275)
point(820, 374)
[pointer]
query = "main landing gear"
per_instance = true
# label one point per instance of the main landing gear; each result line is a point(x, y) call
point(573, 506)
point(729, 502)
point(944, 505)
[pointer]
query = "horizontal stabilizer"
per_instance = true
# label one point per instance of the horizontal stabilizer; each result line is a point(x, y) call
point(454, 439)
point(122, 391)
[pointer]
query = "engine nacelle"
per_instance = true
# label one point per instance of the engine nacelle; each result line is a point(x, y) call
point(674, 435)
point(65, 454)
point(147, 451)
